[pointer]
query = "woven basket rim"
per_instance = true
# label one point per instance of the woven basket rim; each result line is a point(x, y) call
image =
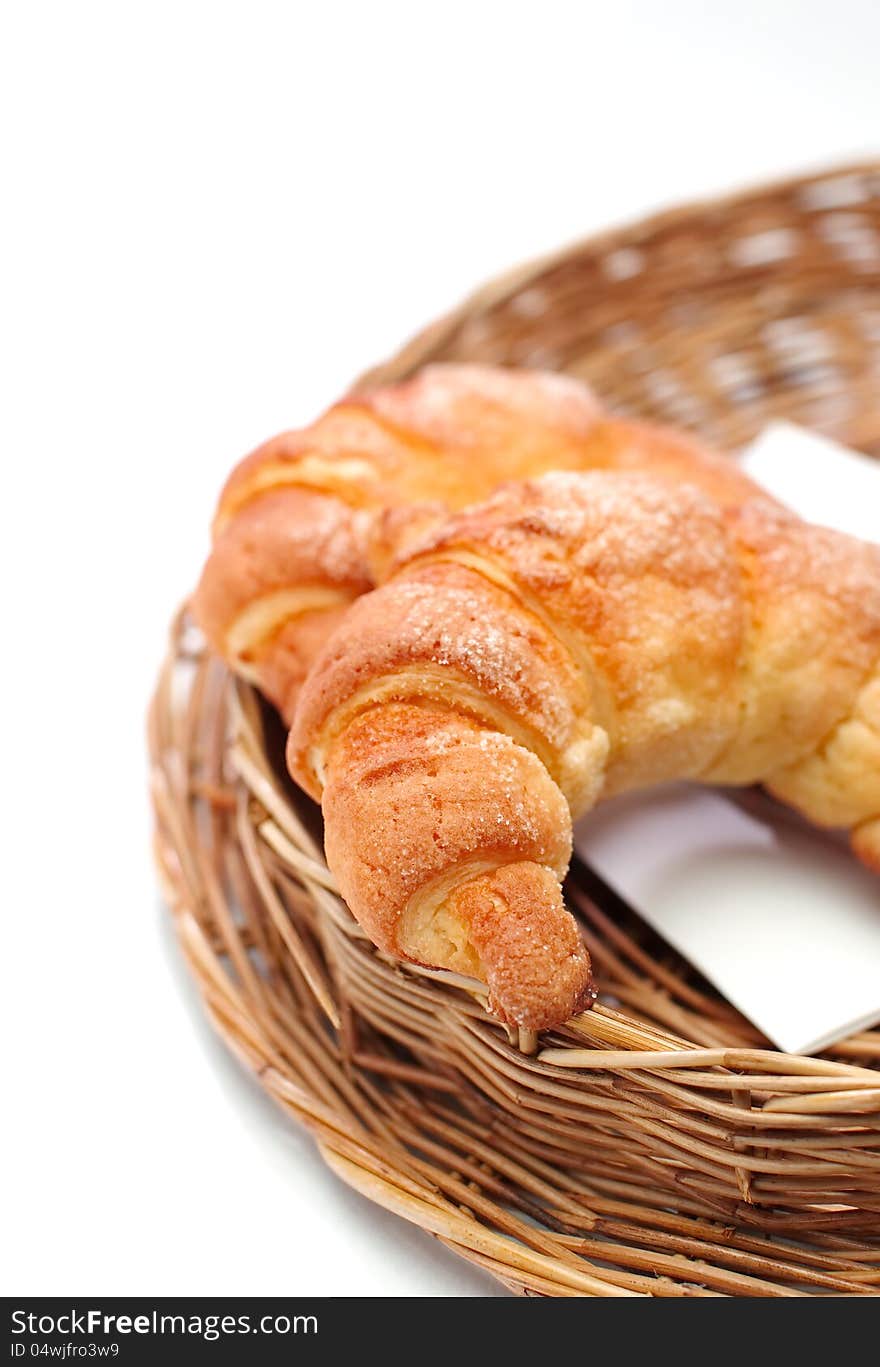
point(631, 231)
point(807, 1095)
point(654, 1146)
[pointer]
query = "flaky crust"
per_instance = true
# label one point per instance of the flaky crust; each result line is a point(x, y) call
point(331, 506)
point(452, 433)
point(286, 542)
point(620, 629)
point(442, 623)
point(531, 953)
point(418, 802)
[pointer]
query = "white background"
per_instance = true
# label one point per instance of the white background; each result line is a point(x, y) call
point(214, 215)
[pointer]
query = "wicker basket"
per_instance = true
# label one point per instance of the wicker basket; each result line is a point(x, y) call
point(658, 1144)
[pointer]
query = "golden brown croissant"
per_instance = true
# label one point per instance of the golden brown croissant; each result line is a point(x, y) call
point(299, 530)
point(574, 637)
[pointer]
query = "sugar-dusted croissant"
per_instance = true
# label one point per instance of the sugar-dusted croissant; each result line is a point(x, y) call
point(574, 637)
point(295, 536)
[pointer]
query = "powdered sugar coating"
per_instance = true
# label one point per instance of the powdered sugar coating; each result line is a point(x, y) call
point(443, 626)
point(640, 580)
point(723, 641)
point(418, 803)
point(386, 465)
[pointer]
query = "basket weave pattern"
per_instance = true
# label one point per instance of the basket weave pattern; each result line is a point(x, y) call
point(658, 1144)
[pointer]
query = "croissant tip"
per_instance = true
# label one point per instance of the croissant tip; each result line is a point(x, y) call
point(866, 844)
point(536, 965)
point(551, 1010)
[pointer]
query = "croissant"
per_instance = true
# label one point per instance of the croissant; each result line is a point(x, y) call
point(306, 522)
point(573, 637)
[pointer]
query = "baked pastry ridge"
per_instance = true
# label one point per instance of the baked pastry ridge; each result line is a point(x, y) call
point(576, 636)
point(307, 522)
